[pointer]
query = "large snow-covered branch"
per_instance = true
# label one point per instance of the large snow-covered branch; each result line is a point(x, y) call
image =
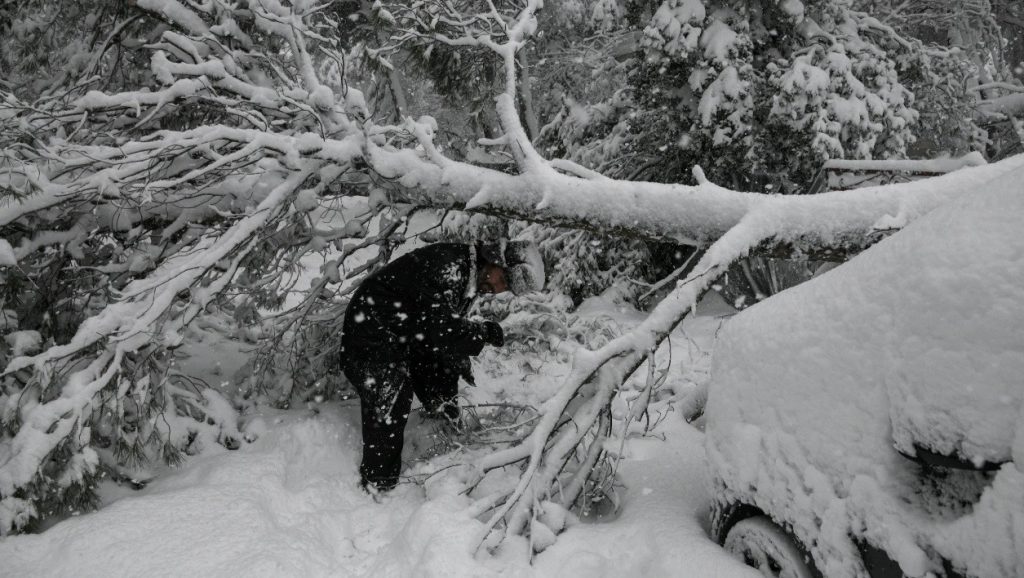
point(839, 221)
point(936, 166)
point(693, 215)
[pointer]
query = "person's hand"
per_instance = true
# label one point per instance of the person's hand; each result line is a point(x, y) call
point(493, 334)
point(465, 369)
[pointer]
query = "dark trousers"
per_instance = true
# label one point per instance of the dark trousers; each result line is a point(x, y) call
point(385, 394)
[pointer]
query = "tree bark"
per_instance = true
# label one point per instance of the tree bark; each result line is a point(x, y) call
point(526, 92)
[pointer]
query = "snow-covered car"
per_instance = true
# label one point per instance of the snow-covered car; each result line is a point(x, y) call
point(869, 422)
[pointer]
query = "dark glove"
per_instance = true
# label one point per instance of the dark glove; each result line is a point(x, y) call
point(465, 369)
point(493, 334)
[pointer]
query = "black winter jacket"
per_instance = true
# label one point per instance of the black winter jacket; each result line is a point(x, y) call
point(416, 305)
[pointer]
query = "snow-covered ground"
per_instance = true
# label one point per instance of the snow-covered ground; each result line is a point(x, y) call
point(288, 504)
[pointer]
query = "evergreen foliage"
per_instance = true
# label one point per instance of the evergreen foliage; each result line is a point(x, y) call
point(761, 94)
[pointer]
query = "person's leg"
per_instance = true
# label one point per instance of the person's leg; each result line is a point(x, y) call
point(385, 396)
point(436, 383)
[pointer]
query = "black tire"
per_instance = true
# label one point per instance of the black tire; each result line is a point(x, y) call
point(762, 544)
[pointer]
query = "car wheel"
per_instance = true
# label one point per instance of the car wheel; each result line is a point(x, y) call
point(763, 545)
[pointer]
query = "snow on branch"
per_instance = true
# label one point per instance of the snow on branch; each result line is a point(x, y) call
point(691, 215)
point(443, 22)
point(938, 166)
point(1009, 105)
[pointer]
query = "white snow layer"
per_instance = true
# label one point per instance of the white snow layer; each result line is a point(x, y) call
point(919, 340)
point(7, 256)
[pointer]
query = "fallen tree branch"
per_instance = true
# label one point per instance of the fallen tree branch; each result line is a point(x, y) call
point(689, 215)
point(597, 375)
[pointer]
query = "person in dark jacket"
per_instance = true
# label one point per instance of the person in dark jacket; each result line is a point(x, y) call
point(406, 332)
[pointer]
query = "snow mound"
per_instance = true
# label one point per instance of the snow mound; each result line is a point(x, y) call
point(7, 256)
point(24, 342)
